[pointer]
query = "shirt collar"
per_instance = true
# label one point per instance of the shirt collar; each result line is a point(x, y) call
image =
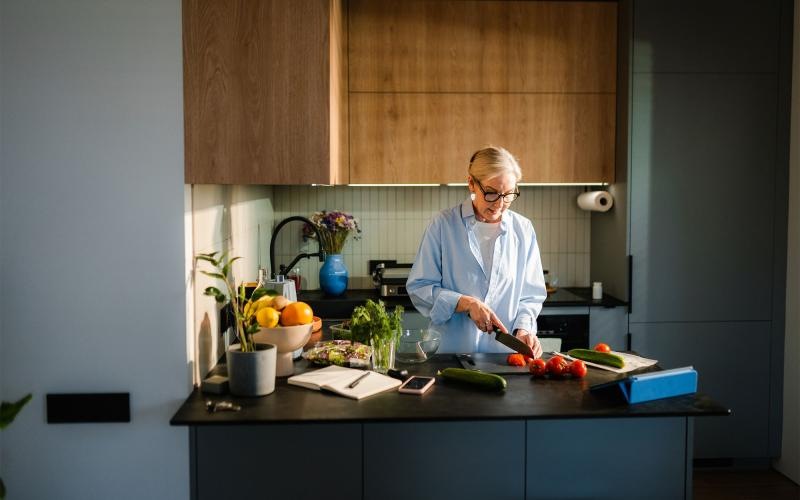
point(468, 215)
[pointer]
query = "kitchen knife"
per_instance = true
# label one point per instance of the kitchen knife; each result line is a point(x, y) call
point(513, 342)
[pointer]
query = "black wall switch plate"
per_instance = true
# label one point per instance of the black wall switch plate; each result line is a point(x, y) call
point(88, 408)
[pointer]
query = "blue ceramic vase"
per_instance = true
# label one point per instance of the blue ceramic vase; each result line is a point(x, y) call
point(333, 275)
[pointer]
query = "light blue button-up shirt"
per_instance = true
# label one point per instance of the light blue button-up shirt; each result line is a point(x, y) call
point(449, 265)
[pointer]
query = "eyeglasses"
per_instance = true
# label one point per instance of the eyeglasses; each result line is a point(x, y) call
point(492, 196)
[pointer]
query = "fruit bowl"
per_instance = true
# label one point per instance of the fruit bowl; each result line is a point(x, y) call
point(287, 339)
point(416, 346)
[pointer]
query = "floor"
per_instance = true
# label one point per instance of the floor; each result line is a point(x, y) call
point(723, 484)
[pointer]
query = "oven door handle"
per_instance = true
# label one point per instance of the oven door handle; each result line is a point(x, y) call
point(545, 332)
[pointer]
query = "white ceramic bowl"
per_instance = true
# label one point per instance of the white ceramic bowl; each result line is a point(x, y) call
point(287, 339)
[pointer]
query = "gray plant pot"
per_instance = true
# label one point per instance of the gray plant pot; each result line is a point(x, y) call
point(251, 373)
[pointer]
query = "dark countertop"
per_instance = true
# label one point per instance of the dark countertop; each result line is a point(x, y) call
point(342, 306)
point(525, 398)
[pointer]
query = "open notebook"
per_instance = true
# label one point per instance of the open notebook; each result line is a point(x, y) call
point(337, 378)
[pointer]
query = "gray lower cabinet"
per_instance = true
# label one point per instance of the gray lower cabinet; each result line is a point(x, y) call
point(598, 458)
point(463, 460)
point(731, 361)
point(297, 461)
point(534, 459)
point(617, 458)
point(609, 325)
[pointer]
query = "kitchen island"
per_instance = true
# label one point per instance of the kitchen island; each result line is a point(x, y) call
point(540, 438)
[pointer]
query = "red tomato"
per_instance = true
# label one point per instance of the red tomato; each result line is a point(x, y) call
point(537, 367)
point(577, 368)
point(527, 358)
point(556, 366)
point(601, 347)
point(515, 359)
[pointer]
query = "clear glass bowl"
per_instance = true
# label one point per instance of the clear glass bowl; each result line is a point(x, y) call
point(416, 346)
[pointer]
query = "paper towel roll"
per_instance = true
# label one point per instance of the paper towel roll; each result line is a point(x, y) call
point(596, 201)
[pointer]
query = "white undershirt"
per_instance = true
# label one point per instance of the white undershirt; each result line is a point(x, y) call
point(487, 233)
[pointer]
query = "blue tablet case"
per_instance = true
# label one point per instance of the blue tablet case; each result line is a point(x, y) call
point(656, 385)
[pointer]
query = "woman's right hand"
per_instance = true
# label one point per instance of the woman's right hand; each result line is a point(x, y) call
point(481, 314)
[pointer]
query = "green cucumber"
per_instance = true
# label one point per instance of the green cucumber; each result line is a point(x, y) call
point(601, 358)
point(488, 381)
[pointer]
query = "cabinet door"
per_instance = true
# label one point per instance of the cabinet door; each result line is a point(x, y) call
point(477, 460)
point(432, 81)
point(608, 458)
point(294, 461)
point(702, 188)
point(260, 91)
point(732, 362)
point(708, 36)
point(419, 137)
point(456, 46)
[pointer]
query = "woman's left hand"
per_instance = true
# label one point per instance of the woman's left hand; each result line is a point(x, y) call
point(530, 339)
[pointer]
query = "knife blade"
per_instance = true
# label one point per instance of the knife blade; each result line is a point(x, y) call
point(513, 342)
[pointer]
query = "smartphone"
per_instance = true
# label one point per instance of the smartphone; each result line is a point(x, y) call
point(417, 385)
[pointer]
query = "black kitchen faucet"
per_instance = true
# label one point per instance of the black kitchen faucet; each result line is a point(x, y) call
point(282, 268)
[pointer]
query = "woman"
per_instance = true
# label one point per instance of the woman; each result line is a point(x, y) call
point(478, 266)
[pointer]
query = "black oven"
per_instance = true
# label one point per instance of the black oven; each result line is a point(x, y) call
point(572, 327)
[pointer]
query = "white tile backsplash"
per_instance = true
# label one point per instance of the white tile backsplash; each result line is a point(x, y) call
point(393, 220)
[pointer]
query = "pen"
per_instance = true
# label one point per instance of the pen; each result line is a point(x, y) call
point(356, 381)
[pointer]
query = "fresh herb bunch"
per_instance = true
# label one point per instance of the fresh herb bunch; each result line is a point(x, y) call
point(333, 228)
point(372, 322)
point(245, 318)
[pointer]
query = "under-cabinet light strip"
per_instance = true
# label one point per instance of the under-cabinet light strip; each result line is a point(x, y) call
point(463, 184)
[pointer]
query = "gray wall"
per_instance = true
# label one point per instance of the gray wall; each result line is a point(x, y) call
point(789, 462)
point(91, 256)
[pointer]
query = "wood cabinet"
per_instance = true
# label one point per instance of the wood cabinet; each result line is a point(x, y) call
point(265, 92)
point(432, 81)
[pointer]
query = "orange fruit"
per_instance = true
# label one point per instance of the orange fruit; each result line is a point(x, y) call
point(297, 313)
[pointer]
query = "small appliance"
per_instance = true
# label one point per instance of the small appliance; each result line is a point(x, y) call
point(390, 278)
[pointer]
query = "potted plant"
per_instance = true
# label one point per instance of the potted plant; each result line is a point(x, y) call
point(8, 411)
point(333, 229)
point(251, 366)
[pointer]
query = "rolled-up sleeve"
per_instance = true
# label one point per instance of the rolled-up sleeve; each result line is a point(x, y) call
point(424, 284)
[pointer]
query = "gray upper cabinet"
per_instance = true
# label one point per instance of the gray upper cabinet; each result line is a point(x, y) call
point(706, 36)
point(702, 189)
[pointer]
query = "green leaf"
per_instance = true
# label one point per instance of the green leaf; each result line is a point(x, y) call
point(8, 411)
point(2, 490)
point(257, 294)
point(208, 258)
point(226, 269)
point(213, 291)
point(251, 329)
point(214, 275)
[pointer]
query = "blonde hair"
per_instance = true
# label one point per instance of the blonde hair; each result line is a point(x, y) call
point(492, 161)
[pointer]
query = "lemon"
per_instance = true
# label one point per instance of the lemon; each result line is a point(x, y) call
point(267, 317)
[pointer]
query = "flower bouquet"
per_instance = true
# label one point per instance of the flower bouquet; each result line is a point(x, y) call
point(333, 228)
